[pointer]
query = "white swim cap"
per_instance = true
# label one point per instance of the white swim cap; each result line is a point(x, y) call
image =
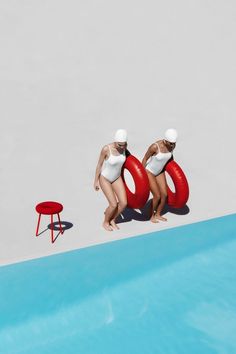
point(121, 136)
point(171, 135)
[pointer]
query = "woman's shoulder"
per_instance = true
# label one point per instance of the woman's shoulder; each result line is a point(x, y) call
point(154, 146)
point(161, 145)
point(159, 142)
point(106, 148)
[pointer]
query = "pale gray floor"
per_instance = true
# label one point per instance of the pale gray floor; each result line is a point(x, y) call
point(72, 72)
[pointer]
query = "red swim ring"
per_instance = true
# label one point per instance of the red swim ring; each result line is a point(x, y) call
point(180, 197)
point(138, 199)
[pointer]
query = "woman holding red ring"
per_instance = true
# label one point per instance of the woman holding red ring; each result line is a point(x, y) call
point(155, 159)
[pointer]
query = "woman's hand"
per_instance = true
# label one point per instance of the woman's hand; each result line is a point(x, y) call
point(96, 186)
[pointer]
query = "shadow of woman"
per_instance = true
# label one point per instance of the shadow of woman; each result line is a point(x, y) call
point(143, 214)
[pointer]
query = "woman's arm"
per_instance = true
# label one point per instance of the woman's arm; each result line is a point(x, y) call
point(150, 151)
point(102, 156)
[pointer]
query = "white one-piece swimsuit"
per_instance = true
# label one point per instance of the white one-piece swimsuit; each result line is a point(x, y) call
point(156, 162)
point(111, 168)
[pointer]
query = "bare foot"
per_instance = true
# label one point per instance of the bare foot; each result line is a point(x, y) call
point(107, 226)
point(159, 217)
point(154, 219)
point(113, 224)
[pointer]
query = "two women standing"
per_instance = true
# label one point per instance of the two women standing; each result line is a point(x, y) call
point(108, 175)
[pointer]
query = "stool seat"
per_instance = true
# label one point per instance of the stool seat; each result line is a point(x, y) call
point(49, 208)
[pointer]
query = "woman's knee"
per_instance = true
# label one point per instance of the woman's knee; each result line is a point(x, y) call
point(113, 205)
point(156, 197)
point(163, 195)
point(123, 204)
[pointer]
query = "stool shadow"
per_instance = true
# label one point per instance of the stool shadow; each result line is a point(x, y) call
point(42, 232)
point(143, 213)
point(56, 227)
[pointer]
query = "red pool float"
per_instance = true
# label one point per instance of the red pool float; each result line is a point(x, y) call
point(138, 199)
point(179, 198)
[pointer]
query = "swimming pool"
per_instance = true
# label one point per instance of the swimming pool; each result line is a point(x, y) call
point(172, 291)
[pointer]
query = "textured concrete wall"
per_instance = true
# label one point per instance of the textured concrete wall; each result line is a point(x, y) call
point(73, 72)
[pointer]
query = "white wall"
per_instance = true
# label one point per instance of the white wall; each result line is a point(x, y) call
point(72, 72)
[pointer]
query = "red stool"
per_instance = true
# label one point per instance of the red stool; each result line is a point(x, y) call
point(49, 208)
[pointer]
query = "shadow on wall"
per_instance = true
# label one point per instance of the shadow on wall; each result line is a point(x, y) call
point(143, 215)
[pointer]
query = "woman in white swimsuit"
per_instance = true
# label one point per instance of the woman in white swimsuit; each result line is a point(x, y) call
point(155, 159)
point(108, 177)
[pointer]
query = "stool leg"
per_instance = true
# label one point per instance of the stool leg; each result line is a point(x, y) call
point(37, 230)
point(52, 228)
point(61, 231)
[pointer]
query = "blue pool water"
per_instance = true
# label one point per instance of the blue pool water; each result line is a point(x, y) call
point(168, 292)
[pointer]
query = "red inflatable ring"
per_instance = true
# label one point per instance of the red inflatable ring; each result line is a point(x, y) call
point(180, 197)
point(138, 199)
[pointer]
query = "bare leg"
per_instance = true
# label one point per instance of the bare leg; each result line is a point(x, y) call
point(161, 181)
point(119, 189)
point(156, 196)
point(111, 209)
